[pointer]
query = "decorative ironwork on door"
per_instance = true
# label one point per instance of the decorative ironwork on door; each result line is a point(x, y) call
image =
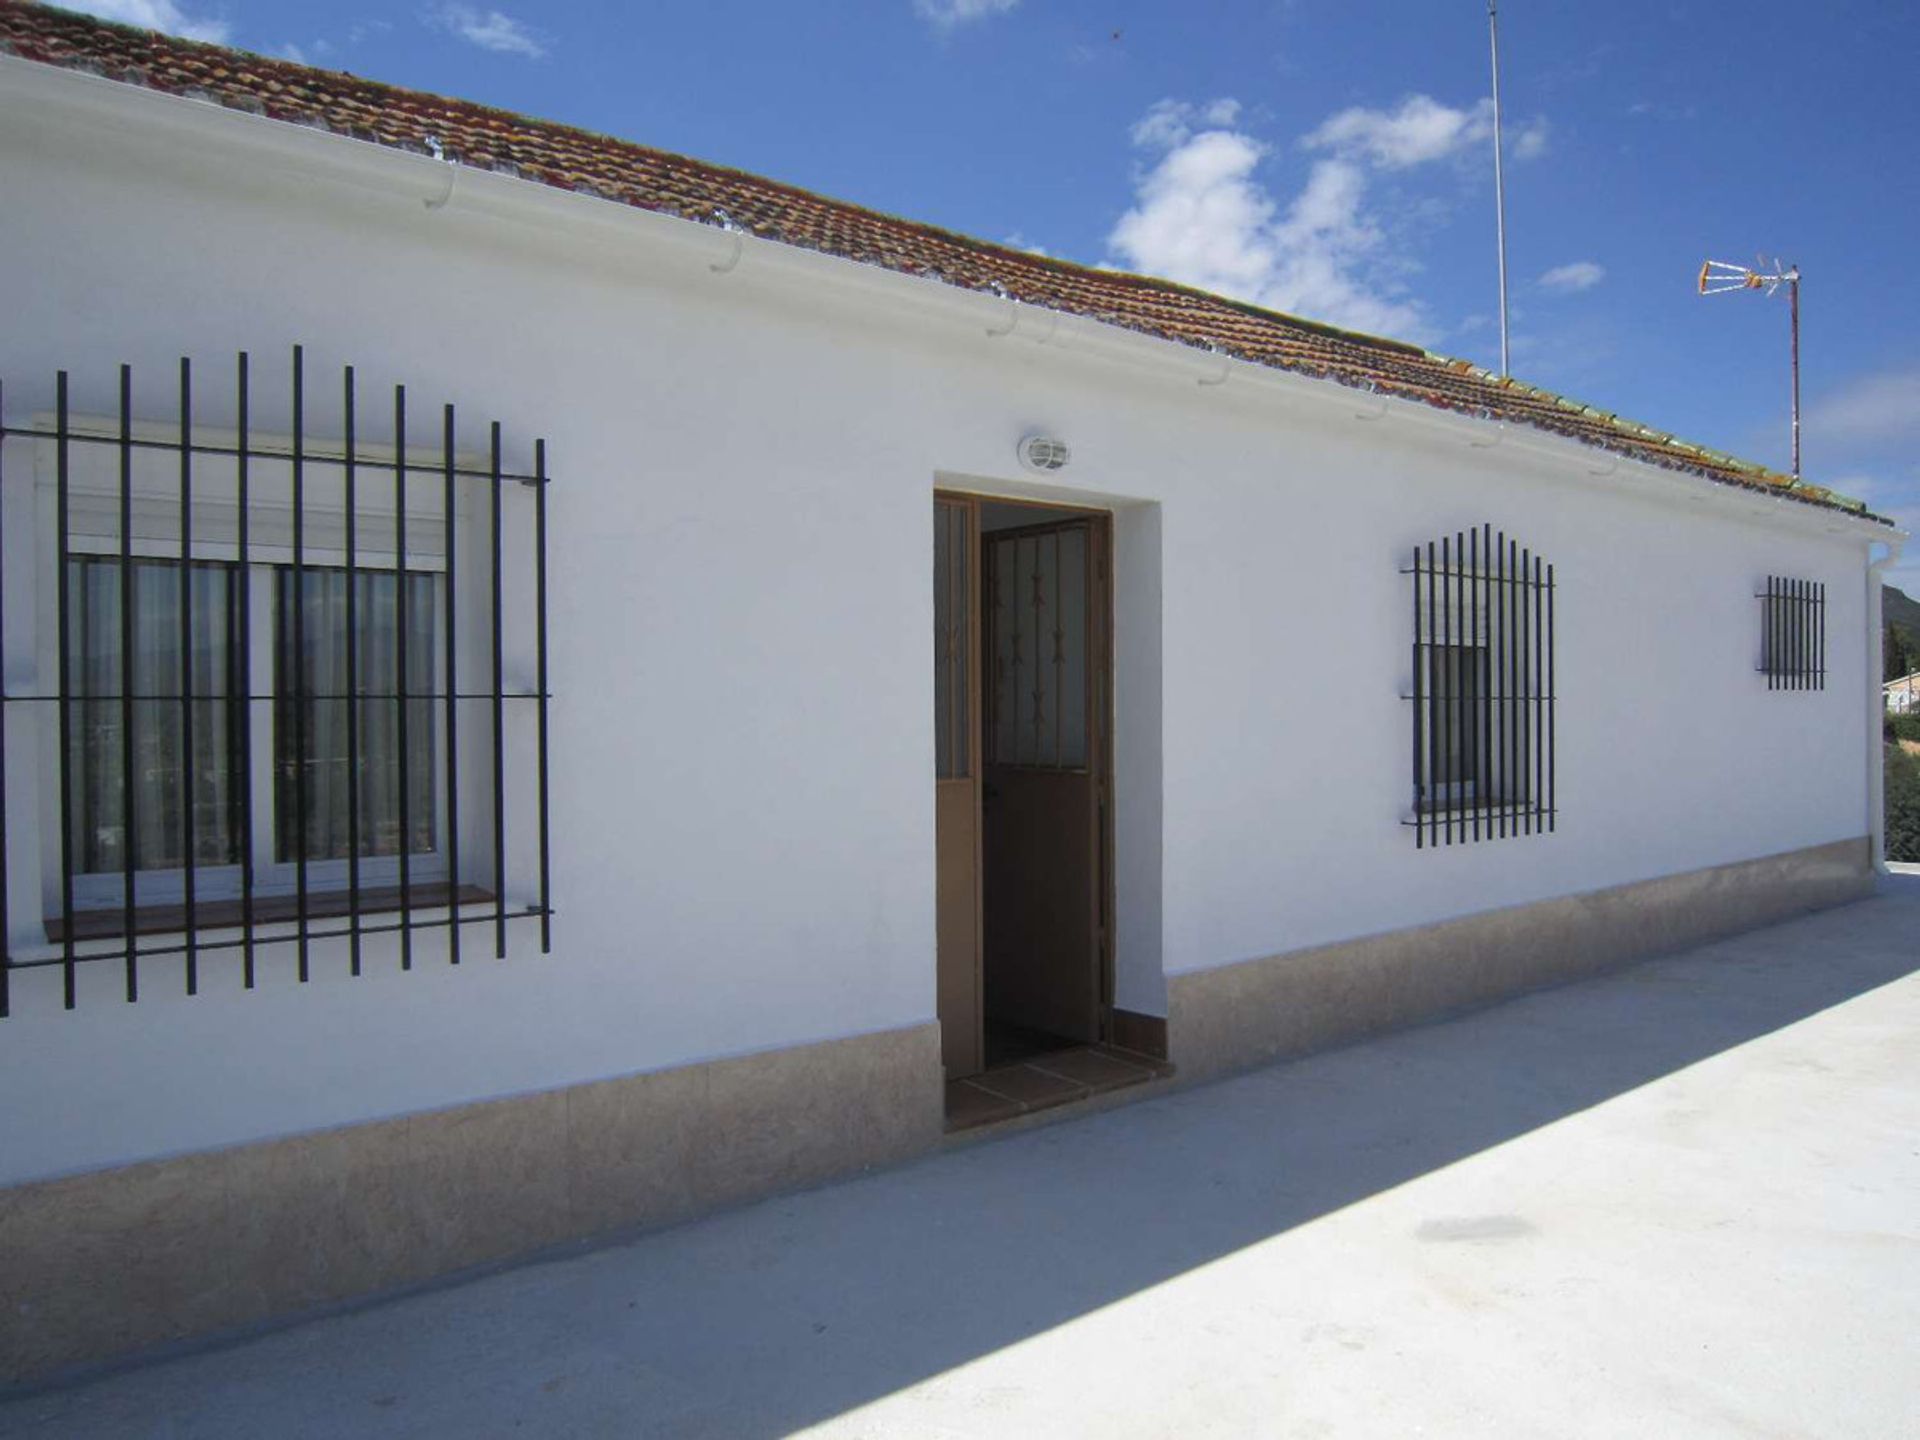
point(1038, 678)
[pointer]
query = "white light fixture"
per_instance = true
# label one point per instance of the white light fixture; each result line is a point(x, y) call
point(1044, 454)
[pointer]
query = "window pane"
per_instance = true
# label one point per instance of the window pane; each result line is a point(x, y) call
point(314, 751)
point(162, 838)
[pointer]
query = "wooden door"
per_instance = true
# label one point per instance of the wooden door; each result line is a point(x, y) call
point(1044, 871)
point(956, 729)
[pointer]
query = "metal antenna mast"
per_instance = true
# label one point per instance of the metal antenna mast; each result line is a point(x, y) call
point(1499, 182)
point(1717, 277)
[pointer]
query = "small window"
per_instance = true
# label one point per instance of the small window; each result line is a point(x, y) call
point(1482, 692)
point(1793, 634)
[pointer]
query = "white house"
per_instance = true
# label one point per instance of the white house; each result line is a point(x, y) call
point(1264, 685)
point(1903, 695)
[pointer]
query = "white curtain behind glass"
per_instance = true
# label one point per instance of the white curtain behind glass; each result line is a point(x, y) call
point(96, 762)
point(324, 768)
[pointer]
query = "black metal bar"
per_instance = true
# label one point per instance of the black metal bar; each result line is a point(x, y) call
point(1524, 744)
point(173, 695)
point(1553, 807)
point(529, 912)
point(499, 730)
point(1463, 646)
point(449, 544)
point(127, 802)
point(1489, 730)
point(354, 686)
point(400, 664)
point(1510, 660)
point(1821, 633)
point(1496, 674)
point(245, 632)
point(1803, 632)
point(1795, 631)
point(1433, 727)
point(540, 685)
point(1476, 615)
point(300, 701)
point(1419, 714)
point(1792, 618)
point(6, 931)
point(1446, 685)
point(186, 671)
point(1773, 634)
point(1539, 689)
point(64, 667)
point(511, 477)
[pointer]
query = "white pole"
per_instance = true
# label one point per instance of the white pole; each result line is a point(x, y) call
point(1499, 183)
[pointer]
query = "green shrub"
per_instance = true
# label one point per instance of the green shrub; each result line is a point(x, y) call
point(1903, 727)
point(1903, 805)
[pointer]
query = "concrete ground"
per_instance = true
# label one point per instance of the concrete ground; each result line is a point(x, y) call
point(1683, 1200)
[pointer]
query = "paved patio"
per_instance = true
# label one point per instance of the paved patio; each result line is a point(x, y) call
point(1681, 1200)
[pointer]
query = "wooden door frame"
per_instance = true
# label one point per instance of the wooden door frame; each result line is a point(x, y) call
point(1100, 713)
point(974, 779)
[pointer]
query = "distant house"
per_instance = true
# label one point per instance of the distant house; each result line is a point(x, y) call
point(1903, 695)
point(679, 686)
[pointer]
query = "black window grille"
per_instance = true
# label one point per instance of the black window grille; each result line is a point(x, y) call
point(158, 690)
point(1793, 634)
point(1483, 690)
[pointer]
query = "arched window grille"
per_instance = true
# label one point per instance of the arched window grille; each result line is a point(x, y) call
point(1483, 691)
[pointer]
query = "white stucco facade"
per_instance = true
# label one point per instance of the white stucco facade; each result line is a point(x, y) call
point(745, 442)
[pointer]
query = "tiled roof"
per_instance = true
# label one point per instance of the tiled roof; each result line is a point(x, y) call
point(577, 160)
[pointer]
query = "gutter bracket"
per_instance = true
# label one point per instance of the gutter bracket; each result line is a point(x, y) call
point(439, 202)
point(727, 266)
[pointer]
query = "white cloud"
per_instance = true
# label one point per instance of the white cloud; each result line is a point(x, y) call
point(489, 29)
point(1880, 407)
point(1573, 277)
point(1529, 142)
point(1420, 130)
point(1202, 214)
point(157, 15)
point(1168, 123)
point(948, 13)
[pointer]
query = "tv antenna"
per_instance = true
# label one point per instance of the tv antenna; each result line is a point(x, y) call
point(1718, 277)
point(1499, 183)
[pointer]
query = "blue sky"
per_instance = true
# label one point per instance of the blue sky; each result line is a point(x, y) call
point(1331, 159)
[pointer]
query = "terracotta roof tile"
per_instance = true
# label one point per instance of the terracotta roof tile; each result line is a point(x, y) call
point(573, 159)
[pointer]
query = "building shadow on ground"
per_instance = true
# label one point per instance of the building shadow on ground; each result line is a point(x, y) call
point(787, 1313)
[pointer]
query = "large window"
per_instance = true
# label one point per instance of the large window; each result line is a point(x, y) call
point(345, 747)
point(1482, 690)
point(278, 686)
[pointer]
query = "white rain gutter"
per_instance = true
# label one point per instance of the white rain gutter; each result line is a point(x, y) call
point(723, 250)
point(1877, 701)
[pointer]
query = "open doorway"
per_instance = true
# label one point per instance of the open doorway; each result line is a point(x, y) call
point(1023, 695)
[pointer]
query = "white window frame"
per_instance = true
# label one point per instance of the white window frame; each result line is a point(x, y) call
point(93, 501)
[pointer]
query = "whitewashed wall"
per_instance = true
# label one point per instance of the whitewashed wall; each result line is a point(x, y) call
point(741, 653)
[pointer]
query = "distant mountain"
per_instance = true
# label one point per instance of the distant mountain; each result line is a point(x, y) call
point(1902, 612)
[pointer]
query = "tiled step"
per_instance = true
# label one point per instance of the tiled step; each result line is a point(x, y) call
point(1059, 1077)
